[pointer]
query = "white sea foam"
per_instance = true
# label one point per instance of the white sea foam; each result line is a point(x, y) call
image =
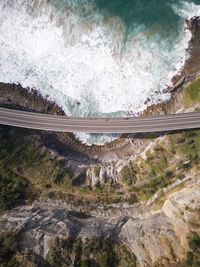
point(98, 139)
point(81, 64)
point(187, 10)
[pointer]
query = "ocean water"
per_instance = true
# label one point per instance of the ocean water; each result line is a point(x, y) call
point(95, 58)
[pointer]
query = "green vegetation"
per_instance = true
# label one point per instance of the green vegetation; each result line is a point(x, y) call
point(8, 248)
point(192, 94)
point(55, 255)
point(27, 170)
point(148, 189)
point(102, 252)
point(161, 167)
point(94, 252)
point(189, 147)
point(193, 256)
point(41, 169)
point(97, 171)
point(157, 161)
point(24, 170)
point(133, 198)
point(127, 175)
point(14, 189)
point(155, 170)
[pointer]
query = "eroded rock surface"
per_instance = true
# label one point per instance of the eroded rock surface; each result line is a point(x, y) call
point(154, 236)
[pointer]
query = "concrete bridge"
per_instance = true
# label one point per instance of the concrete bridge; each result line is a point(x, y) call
point(57, 123)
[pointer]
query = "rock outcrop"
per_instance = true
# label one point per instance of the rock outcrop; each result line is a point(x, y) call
point(154, 236)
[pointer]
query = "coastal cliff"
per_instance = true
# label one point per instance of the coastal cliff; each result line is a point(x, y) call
point(133, 202)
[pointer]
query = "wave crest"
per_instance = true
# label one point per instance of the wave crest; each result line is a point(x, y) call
point(83, 62)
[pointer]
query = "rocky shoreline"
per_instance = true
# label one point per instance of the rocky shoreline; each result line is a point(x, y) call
point(135, 199)
point(189, 73)
point(17, 97)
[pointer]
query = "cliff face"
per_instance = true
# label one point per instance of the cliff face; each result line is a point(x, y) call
point(162, 236)
point(152, 235)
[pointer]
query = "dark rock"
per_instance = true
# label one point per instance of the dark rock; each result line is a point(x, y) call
point(147, 101)
point(193, 24)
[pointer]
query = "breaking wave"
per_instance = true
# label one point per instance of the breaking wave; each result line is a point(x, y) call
point(86, 61)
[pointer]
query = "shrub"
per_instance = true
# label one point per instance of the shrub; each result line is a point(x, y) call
point(194, 243)
point(193, 256)
point(8, 247)
point(55, 255)
point(128, 175)
point(13, 189)
point(192, 93)
point(132, 198)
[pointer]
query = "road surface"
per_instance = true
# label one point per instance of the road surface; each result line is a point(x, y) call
point(89, 125)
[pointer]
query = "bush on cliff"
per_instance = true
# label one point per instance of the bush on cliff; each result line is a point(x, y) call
point(193, 256)
point(8, 247)
point(13, 189)
point(192, 94)
point(91, 252)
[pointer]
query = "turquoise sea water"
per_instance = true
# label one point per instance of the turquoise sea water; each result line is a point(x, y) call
point(95, 58)
point(153, 13)
point(157, 14)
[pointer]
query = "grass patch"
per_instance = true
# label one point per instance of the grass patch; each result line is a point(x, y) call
point(189, 148)
point(155, 165)
point(147, 190)
point(193, 256)
point(161, 167)
point(192, 94)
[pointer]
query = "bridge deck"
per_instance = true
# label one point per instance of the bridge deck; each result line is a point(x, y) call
point(112, 125)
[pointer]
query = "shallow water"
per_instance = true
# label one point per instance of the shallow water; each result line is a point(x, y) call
point(95, 58)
